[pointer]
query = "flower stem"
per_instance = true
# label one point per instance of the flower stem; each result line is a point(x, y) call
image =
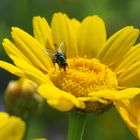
point(77, 121)
point(34, 127)
point(27, 129)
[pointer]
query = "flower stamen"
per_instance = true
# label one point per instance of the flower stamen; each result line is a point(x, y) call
point(84, 76)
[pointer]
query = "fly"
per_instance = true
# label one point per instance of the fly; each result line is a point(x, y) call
point(59, 56)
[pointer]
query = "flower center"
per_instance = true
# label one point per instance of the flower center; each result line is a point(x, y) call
point(83, 76)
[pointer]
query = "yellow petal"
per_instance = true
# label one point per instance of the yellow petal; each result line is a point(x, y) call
point(11, 49)
point(30, 71)
point(130, 78)
point(26, 51)
point(3, 116)
point(42, 32)
point(31, 48)
point(75, 24)
point(62, 30)
point(128, 93)
point(60, 104)
point(130, 58)
point(91, 36)
point(55, 95)
point(130, 112)
point(127, 115)
point(12, 69)
point(11, 128)
point(117, 46)
point(93, 99)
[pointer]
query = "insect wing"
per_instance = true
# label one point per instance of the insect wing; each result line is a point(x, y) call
point(50, 53)
point(61, 48)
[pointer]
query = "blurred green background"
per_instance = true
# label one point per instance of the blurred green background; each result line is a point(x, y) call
point(116, 14)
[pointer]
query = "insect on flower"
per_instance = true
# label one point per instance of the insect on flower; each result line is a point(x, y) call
point(59, 56)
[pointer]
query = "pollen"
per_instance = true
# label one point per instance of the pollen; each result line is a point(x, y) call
point(83, 76)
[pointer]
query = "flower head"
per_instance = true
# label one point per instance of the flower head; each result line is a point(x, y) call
point(98, 72)
point(21, 98)
point(11, 127)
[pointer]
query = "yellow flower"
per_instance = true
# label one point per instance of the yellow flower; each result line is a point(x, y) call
point(11, 128)
point(130, 112)
point(99, 71)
